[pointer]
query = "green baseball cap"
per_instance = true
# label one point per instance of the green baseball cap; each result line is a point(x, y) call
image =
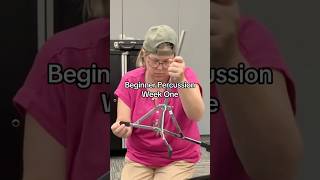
point(157, 35)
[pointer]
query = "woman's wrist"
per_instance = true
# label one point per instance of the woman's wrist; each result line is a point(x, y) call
point(178, 79)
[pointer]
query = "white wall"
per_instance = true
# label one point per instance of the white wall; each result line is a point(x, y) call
point(190, 15)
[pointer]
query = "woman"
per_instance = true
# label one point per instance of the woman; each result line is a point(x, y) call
point(255, 133)
point(147, 156)
point(65, 133)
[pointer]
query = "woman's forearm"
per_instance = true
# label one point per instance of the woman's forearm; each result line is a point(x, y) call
point(262, 126)
point(192, 102)
point(43, 156)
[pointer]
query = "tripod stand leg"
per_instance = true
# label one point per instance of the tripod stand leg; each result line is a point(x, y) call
point(166, 143)
point(202, 144)
point(173, 134)
point(128, 124)
point(174, 121)
point(148, 114)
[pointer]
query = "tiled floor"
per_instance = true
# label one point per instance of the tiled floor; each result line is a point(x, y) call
point(202, 168)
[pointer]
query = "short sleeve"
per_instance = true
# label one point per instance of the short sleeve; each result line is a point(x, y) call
point(192, 77)
point(45, 102)
point(124, 93)
point(260, 49)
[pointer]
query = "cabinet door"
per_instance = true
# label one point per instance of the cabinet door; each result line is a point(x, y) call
point(18, 47)
point(117, 145)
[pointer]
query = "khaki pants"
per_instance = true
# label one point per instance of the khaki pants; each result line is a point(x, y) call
point(178, 170)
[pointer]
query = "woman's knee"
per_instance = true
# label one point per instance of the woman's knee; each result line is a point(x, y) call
point(175, 171)
point(136, 171)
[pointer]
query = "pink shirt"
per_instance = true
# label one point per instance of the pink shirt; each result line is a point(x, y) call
point(259, 48)
point(144, 146)
point(72, 116)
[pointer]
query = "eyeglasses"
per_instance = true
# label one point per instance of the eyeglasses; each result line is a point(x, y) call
point(155, 62)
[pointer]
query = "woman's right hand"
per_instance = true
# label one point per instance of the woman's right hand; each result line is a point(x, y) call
point(225, 18)
point(121, 131)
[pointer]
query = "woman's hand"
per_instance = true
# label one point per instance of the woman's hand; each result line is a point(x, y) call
point(121, 131)
point(224, 19)
point(176, 69)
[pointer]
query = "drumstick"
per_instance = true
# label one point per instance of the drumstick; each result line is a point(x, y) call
point(183, 32)
point(181, 40)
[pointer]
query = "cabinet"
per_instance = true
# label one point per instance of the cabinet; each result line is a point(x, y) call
point(123, 55)
point(18, 48)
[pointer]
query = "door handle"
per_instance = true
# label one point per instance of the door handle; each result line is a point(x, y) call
point(16, 123)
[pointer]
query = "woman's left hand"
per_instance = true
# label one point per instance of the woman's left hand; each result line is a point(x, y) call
point(176, 69)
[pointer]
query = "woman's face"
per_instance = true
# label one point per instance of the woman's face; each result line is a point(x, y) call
point(157, 67)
